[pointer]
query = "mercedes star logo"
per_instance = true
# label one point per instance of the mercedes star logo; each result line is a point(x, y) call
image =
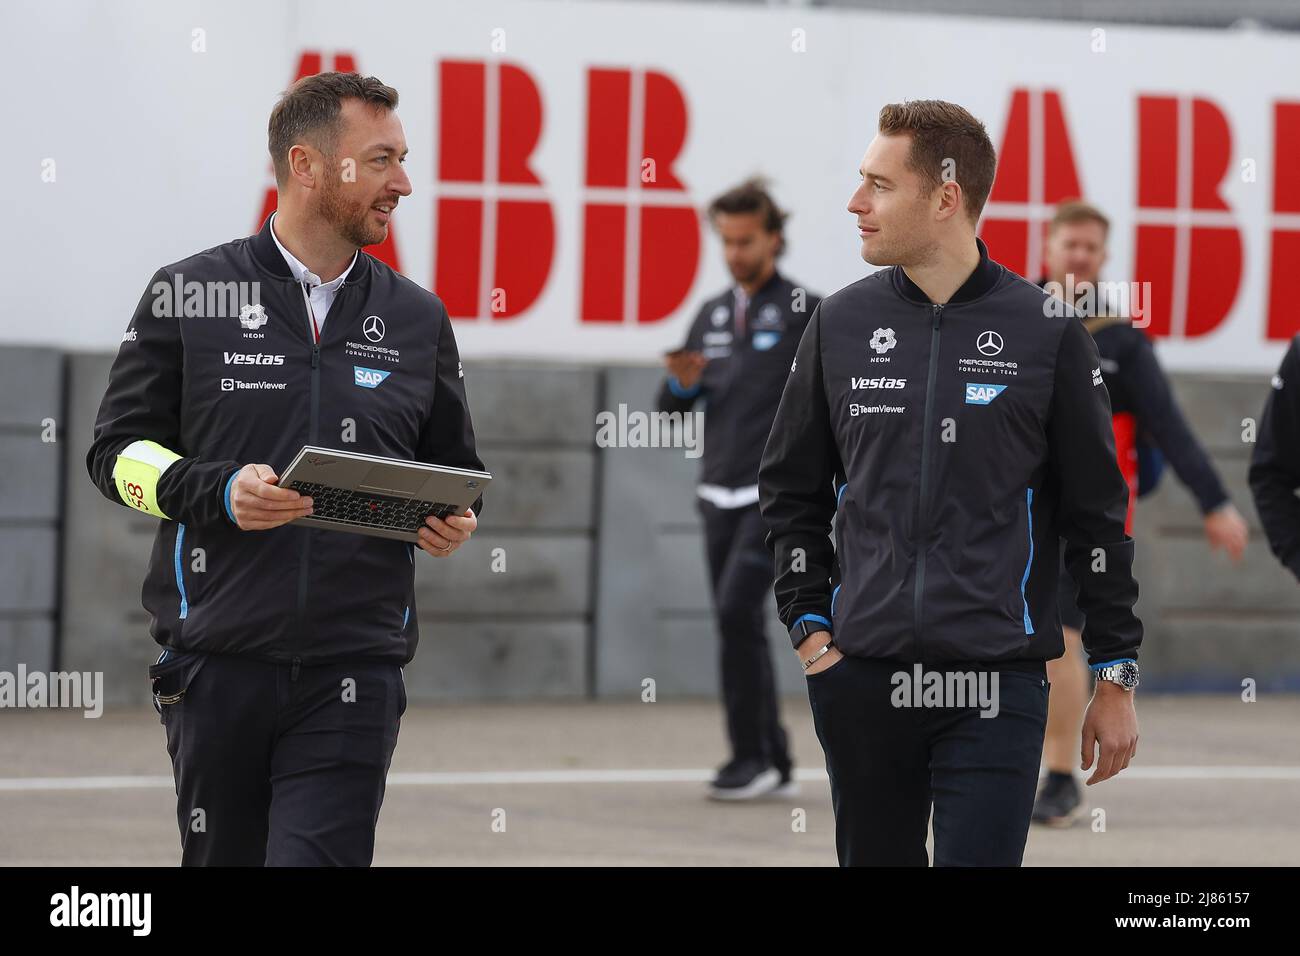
point(989, 343)
point(373, 328)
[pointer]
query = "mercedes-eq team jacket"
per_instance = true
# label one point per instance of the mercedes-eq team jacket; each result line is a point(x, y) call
point(741, 385)
point(953, 445)
point(1275, 462)
point(203, 385)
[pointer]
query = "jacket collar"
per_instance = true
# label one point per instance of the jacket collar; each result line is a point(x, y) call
point(980, 283)
point(267, 253)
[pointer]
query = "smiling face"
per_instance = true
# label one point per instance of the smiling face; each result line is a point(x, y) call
point(895, 208)
point(364, 179)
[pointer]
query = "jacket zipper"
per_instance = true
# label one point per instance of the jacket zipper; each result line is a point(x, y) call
point(922, 514)
point(304, 556)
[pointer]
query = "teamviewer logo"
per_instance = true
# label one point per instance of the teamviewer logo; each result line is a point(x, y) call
point(227, 384)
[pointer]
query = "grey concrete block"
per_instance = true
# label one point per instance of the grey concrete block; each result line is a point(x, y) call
point(31, 386)
point(1216, 652)
point(541, 405)
point(538, 489)
point(546, 575)
point(1215, 406)
point(29, 480)
point(28, 568)
point(1184, 574)
point(27, 640)
point(499, 661)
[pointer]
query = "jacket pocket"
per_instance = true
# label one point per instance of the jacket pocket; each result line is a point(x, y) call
point(1029, 559)
point(179, 559)
point(171, 677)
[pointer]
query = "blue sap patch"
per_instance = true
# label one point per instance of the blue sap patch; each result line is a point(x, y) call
point(368, 377)
point(982, 394)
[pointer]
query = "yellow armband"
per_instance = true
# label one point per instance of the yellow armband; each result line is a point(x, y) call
point(136, 472)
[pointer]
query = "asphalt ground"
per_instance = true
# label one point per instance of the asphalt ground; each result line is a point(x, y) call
point(1216, 782)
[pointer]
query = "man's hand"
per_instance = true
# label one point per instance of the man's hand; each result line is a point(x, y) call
point(258, 503)
point(1226, 529)
point(440, 538)
point(1111, 722)
point(685, 366)
point(813, 643)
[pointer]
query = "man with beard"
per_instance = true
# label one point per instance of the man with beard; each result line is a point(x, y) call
point(280, 680)
point(735, 360)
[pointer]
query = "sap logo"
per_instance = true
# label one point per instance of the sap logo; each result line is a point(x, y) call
point(762, 341)
point(879, 382)
point(982, 394)
point(368, 377)
point(252, 358)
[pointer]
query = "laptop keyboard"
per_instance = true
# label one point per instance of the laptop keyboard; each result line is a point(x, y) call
point(369, 511)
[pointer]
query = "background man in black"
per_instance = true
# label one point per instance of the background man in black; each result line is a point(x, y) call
point(735, 359)
point(280, 681)
point(1075, 253)
point(1275, 462)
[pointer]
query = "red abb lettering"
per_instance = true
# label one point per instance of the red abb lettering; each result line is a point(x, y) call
point(1188, 245)
point(1035, 172)
point(309, 64)
point(495, 232)
point(1284, 237)
point(641, 234)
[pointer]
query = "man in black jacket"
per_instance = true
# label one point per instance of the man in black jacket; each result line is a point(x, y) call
point(953, 425)
point(1143, 409)
point(1275, 462)
point(735, 360)
point(280, 680)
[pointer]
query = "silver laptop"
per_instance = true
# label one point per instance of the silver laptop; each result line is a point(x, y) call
point(384, 497)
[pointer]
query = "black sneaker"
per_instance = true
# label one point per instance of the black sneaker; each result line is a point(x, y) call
point(1059, 803)
point(787, 786)
point(744, 779)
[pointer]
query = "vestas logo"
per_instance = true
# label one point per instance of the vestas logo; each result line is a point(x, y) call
point(879, 383)
point(368, 377)
point(982, 394)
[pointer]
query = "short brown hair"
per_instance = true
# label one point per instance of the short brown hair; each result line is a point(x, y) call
point(752, 196)
point(944, 136)
point(309, 112)
point(1076, 210)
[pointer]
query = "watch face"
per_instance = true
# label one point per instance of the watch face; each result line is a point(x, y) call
point(1128, 674)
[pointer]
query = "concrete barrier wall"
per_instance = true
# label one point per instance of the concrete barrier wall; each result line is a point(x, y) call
point(587, 576)
point(32, 442)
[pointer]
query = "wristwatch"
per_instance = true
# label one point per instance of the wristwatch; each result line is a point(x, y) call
point(805, 628)
point(1124, 673)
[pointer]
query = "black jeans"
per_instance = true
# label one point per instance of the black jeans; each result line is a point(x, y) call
point(278, 765)
point(741, 572)
point(889, 763)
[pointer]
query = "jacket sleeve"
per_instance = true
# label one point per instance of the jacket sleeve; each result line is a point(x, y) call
point(447, 437)
point(1160, 417)
point(796, 485)
point(1275, 463)
point(672, 396)
point(1093, 501)
point(136, 456)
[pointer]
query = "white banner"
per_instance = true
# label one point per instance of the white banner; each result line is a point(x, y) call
point(561, 154)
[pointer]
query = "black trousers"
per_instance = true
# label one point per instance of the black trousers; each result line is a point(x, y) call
point(888, 764)
point(741, 571)
point(277, 764)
